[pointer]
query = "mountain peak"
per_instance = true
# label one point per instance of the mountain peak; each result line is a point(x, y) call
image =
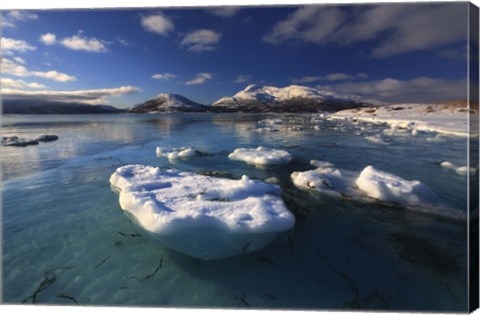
point(167, 102)
point(274, 96)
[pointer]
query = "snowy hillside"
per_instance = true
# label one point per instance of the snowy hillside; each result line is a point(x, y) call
point(166, 102)
point(448, 118)
point(279, 96)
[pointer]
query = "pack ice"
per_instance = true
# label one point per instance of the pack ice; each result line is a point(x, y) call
point(202, 216)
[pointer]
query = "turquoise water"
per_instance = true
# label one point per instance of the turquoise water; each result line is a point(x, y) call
point(66, 240)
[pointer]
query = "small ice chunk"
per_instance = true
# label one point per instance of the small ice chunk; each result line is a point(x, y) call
point(15, 141)
point(272, 180)
point(260, 156)
point(377, 139)
point(176, 154)
point(317, 128)
point(388, 187)
point(47, 138)
point(202, 216)
point(266, 129)
point(461, 170)
point(297, 128)
point(274, 121)
point(324, 179)
point(318, 163)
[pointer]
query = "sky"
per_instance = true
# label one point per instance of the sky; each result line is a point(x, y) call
point(392, 52)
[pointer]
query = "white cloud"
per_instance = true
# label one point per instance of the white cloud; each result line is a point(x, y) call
point(394, 28)
point(200, 78)
point(48, 38)
point(201, 40)
point(310, 23)
point(124, 42)
point(243, 78)
point(9, 44)
point(54, 75)
point(11, 67)
point(19, 60)
point(79, 42)
point(330, 77)
point(306, 79)
point(8, 83)
point(226, 11)
point(8, 19)
point(164, 76)
point(421, 89)
point(157, 23)
point(97, 96)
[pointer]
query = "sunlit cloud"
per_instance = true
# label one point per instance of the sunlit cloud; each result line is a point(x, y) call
point(395, 29)
point(96, 96)
point(11, 44)
point(201, 40)
point(164, 76)
point(421, 89)
point(200, 78)
point(157, 23)
point(17, 69)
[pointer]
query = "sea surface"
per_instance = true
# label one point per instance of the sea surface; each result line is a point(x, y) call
point(66, 240)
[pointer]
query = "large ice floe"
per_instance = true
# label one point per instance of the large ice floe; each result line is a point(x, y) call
point(202, 216)
point(261, 156)
point(324, 179)
point(391, 188)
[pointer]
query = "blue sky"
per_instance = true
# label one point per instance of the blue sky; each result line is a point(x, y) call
point(391, 52)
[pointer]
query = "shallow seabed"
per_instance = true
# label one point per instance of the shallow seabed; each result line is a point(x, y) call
point(66, 240)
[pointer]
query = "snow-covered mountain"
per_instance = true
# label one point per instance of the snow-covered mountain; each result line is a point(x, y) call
point(291, 98)
point(166, 102)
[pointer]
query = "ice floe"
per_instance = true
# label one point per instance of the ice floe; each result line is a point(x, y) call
point(261, 156)
point(324, 178)
point(391, 188)
point(461, 170)
point(15, 141)
point(202, 216)
point(377, 139)
point(297, 128)
point(176, 154)
point(266, 129)
point(273, 121)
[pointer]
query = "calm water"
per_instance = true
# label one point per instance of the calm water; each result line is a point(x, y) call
point(66, 240)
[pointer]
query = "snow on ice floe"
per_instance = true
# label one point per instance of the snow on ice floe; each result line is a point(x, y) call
point(202, 216)
point(261, 156)
point(176, 154)
point(461, 170)
point(324, 178)
point(391, 188)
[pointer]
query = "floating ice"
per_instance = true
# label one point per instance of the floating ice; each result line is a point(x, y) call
point(202, 216)
point(324, 179)
point(297, 128)
point(461, 170)
point(388, 187)
point(274, 121)
point(266, 129)
point(318, 163)
point(377, 139)
point(260, 156)
point(15, 141)
point(176, 154)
